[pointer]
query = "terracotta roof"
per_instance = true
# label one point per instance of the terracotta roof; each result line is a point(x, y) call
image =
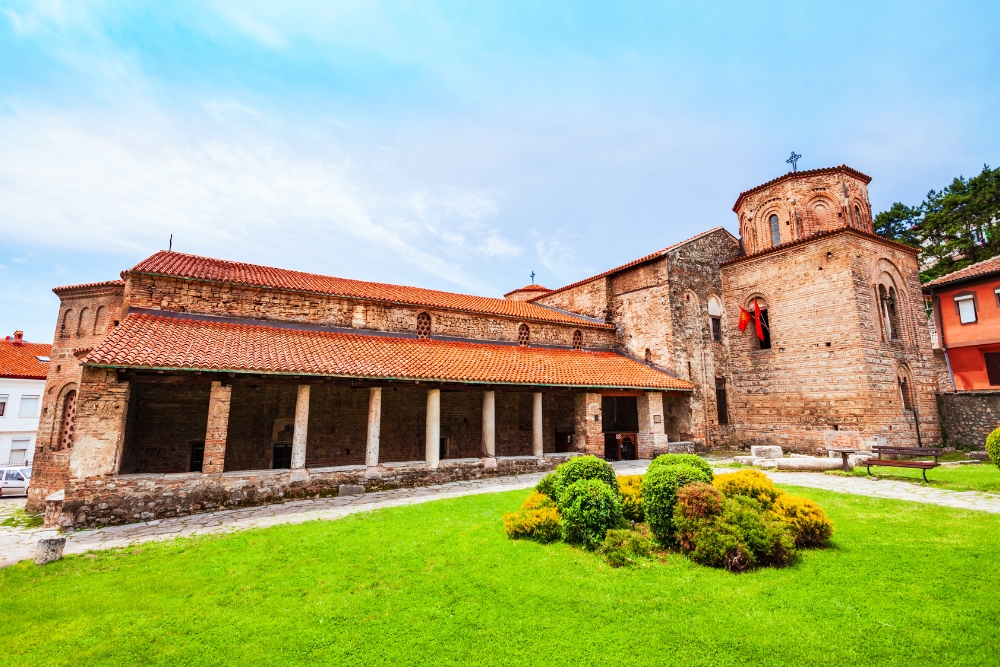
point(20, 361)
point(106, 283)
point(635, 262)
point(146, 341)
point(821, 235)
point(193, 267)
point(979, 269)
point(529, 288)
point(799, 174)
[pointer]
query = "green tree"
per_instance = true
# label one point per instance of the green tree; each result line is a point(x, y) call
point(953, 227)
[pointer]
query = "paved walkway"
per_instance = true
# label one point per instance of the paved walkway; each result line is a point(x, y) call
point(17, 544)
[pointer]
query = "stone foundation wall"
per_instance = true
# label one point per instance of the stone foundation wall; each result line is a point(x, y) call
point(967, 417)
point(119, 499)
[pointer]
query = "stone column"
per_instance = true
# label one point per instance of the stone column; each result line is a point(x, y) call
point(374, 431)
point(537, 441)
point(218, 428)
point(489, 425)
point(652, 433)
point(587, 434)
point(433, 448)
point(300, 434)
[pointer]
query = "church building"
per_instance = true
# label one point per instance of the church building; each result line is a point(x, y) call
point(194, 383)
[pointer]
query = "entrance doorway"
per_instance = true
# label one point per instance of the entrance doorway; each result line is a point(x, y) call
point(620, 446)
point(564, 442)
point(620, 423)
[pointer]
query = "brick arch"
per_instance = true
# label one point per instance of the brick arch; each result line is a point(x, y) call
point(68, 322)
point(884, 273)
point(81, 327)
point(68, 389)
point(819, 213)
point(784, 213)
point(100, 320)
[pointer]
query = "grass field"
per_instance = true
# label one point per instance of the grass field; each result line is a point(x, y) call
point(438, 583)
point(976, 477)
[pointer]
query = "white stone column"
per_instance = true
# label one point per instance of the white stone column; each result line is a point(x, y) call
point(536, 426)
point(374, 431)
point(433, 447)
point(299, 434)
point(489, 425)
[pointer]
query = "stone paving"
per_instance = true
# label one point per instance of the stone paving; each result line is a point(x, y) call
point(17, 544)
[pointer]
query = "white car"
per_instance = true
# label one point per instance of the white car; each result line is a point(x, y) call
point(14, 481)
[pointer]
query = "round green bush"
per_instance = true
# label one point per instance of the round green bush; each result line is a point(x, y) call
point(674, 459)
point(577, 468)
point(993, 446)
point(623, 547)
point(589, 509)
point(659, 495)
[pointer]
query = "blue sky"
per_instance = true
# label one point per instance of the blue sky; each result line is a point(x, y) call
point(457, 146)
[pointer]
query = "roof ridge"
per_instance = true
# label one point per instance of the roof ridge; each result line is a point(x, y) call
point(965, 271)
point(807, 172)
point(634, 262)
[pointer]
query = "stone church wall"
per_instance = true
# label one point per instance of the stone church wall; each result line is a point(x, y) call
point(967, 417)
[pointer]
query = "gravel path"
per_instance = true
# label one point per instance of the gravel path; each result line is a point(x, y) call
point(17, 544)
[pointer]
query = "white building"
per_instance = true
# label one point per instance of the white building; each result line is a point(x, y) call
point(23, 367)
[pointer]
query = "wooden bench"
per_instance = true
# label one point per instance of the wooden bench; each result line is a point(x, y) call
point(923, 466)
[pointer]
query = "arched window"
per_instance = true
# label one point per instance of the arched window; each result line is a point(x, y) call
point(775, 230)
point(101, 320)
point(765, 324)
point(577, 340)
point(906, 391)
point(523, 335)
point(423, 326)
point(81, 327)
point(889, 313)
point(857, 215)
point(715, 318)
point(649, 356)
point(67, 324)
point(68, 421)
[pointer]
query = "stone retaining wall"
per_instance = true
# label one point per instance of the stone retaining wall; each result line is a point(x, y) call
point(967, 417)
point(120, 499)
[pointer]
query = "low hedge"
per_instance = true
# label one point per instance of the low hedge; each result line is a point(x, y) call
point(623, 547)
point(659, 494)
point(630, 490)
point(542, 525)
point(749, 484)
point(589, 508)
point(808, 522)
point(993, 447)
point(577, 468)
point(674, 459)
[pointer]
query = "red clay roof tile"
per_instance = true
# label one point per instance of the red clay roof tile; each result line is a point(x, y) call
point(20, 361)
point(82, 286)
point(216, 270)
point(146, 341)
point(983, 268)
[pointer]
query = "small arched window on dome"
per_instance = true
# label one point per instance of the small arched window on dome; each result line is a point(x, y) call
point(523, 335)
point(649, 356)
point(775, 230)
point(423, 326)
point(577, 340)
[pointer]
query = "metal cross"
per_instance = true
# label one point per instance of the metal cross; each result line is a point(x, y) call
point(793, 160)
point(532, 277)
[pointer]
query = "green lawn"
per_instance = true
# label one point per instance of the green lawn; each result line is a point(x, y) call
point(438, 583)
point(982, 477)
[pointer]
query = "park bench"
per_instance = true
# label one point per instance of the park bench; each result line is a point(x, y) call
point(923, 466)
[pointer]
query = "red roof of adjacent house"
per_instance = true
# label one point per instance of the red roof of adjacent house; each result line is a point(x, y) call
point(800, 174)
point(145, 341)
point(180, 265)
point(21, 361)
point(979, 269)
point(634, 262)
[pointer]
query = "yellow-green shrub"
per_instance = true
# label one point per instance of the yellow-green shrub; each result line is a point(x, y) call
point(750, 484)
point(993, 446)
point(543, 524)
point(630, 489)
point(537, 501)
point(807, 520)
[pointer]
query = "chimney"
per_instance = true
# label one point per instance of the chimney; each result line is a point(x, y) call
point(18, 337)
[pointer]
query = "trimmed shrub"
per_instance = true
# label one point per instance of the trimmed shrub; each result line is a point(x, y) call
point(659, 494)
point(699, 500)
point(548, 486)
point(674, 459)
point(807, 520)
point(738, 537)
point(589, 508)
point(993, 446)
point(622, 547)
point(537, 501)
point(630, 489)
point(582, 467)
point(542, 525)
point(750, 484)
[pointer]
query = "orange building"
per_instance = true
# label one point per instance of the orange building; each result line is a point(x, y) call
point(967, 317)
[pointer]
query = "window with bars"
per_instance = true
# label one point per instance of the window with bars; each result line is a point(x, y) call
point(717, 329)
point(577, 340)
point(423, 326)
point(523, 335)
